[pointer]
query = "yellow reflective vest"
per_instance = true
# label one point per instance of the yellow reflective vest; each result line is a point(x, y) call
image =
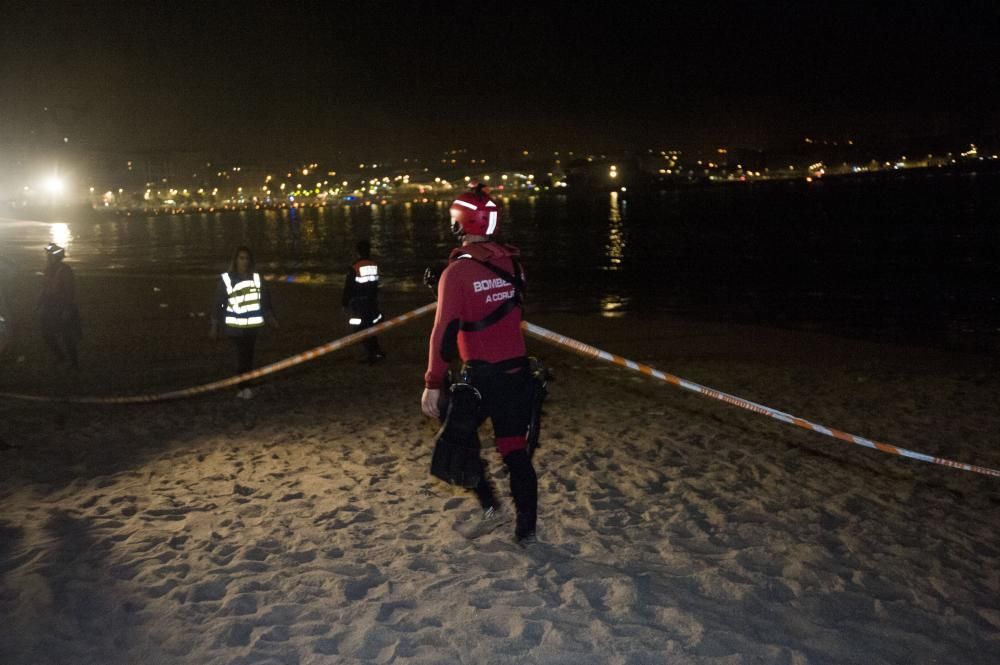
point(243, 304)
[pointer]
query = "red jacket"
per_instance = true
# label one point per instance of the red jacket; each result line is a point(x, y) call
point(468, 292)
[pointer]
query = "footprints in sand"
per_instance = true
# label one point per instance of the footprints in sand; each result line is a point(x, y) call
point(205, 591)
point(358, 589)
point(291, 547)
point(240, 605)
point(215, 543)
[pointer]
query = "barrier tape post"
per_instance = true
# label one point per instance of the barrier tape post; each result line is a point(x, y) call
point(297, 359)
point(593, 352)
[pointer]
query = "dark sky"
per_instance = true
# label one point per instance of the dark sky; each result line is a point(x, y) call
point(300, 79)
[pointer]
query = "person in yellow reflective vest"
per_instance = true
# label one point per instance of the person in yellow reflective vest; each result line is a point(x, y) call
point(242, 307)
point(360, 299)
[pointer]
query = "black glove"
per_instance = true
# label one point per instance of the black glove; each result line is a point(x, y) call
point(431, 277)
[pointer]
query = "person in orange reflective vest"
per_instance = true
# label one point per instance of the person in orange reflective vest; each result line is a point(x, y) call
point(360, 299)
point(242, 306)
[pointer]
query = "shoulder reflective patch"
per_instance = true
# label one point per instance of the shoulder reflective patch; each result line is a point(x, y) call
point(365, 274)
point(228, 282)
point(490, 204)
point(464, 205)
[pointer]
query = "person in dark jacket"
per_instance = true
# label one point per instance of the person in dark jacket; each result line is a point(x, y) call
point(242, 307)
point(360, 299)
point(6, 275)
point(60, 316)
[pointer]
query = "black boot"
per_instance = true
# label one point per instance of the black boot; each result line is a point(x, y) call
point(524, 488)
point(484, 492)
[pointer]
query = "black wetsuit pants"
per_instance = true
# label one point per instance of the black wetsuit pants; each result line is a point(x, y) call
point(505, 402)
point(61, 331)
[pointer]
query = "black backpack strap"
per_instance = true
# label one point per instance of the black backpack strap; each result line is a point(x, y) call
point(508, 306)
point(493, 317)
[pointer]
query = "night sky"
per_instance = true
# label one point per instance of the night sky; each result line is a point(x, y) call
point(394, 78)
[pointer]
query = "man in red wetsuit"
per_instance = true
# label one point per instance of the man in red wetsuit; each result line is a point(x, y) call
point(479, 318)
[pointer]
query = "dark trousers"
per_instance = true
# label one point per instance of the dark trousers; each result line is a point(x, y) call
point(367, 314)
point(505, 402)
point(370, 344)
point(61, 332)
point(244, 344)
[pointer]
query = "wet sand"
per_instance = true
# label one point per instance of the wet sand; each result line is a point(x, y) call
point(302, 527)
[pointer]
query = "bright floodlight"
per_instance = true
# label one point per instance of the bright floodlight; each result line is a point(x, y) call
point(54, 185)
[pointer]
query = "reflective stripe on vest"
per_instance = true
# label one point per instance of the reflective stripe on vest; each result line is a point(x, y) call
point(244, 307)
point(366, 273)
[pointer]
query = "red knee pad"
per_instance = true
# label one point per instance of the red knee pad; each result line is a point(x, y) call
point(508, 444)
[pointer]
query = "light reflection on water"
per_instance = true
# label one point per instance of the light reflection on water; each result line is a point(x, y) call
point(614, 305)
point(60, 234)
point(616, 236)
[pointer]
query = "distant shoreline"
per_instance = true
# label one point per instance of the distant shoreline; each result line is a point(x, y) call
point(10, 212)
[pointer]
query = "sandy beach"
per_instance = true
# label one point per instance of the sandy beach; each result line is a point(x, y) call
point(302, 527)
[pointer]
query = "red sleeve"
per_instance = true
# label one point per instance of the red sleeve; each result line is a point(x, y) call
point(447, 321)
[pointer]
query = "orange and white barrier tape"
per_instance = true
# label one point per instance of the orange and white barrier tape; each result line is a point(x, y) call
point(545, 335)
point(292, 361)
point(593, 352)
